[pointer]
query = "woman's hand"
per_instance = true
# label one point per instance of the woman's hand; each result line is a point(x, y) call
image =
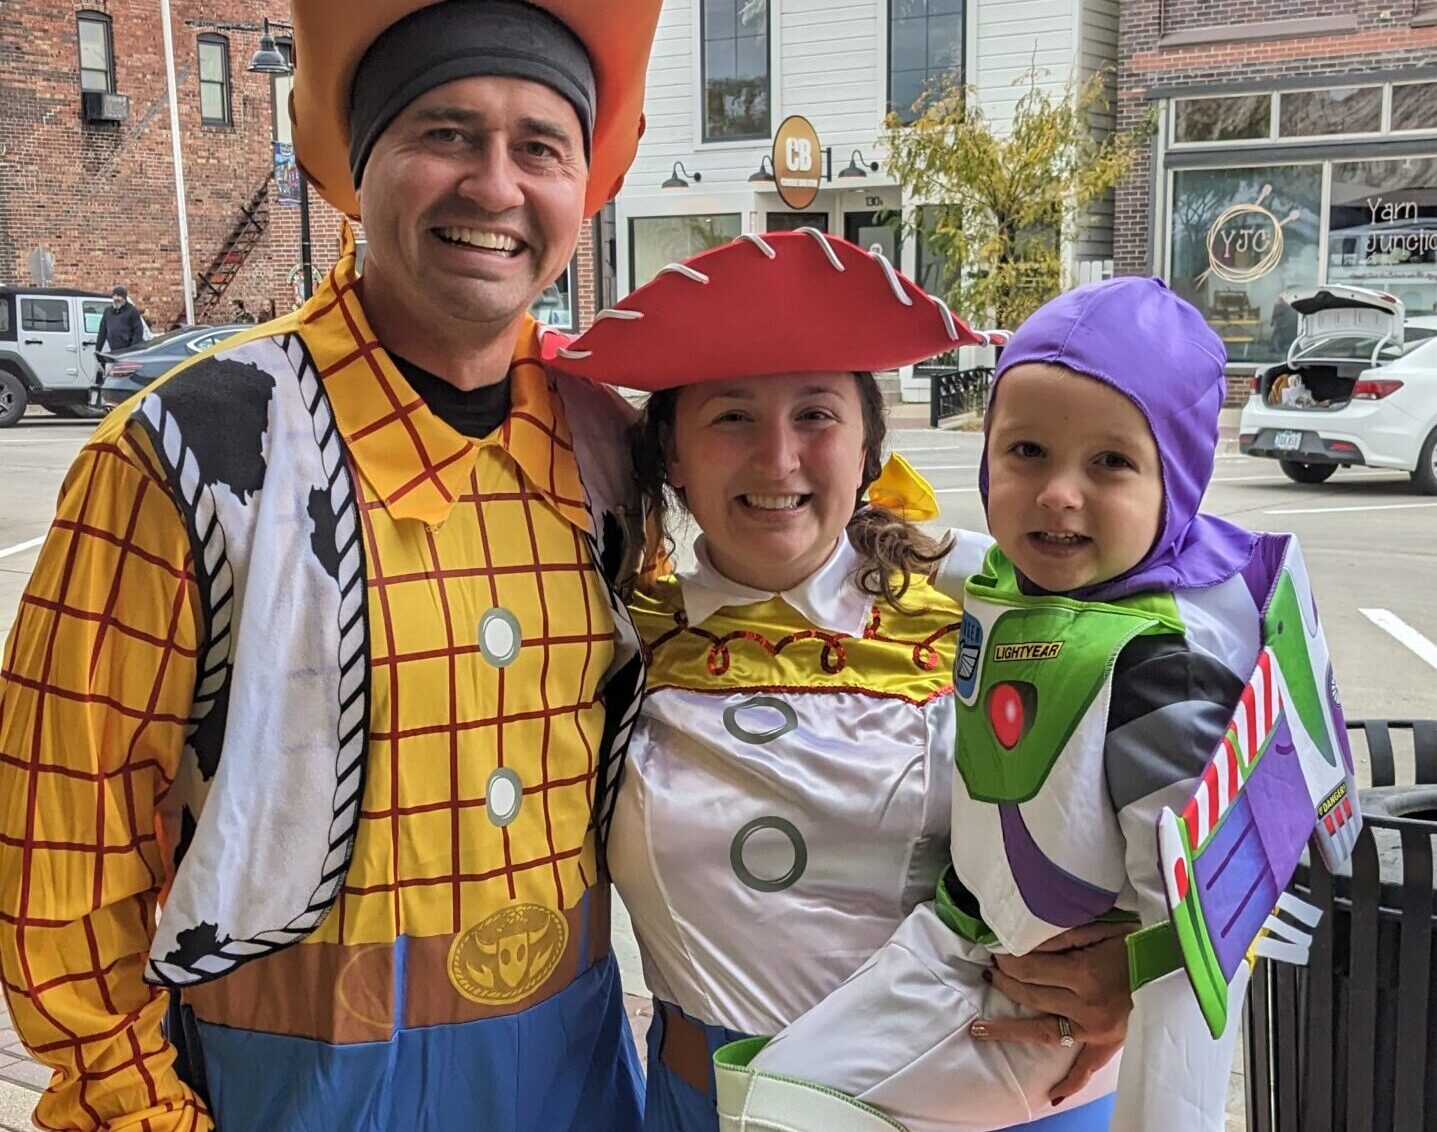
point(1081, 975)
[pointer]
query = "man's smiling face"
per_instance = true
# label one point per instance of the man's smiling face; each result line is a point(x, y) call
point(473, 197)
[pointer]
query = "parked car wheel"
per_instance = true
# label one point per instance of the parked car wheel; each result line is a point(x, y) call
point(1298, 472)
point(78, 412)
point(13, 399)
point(1424, 477)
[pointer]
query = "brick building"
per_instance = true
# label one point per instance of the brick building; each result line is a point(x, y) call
point(91, 180)
point(1296, 144)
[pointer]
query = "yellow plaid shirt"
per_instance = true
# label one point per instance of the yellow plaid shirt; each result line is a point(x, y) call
point(97, 684)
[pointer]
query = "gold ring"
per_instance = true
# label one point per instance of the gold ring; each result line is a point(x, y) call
point(1065, 1031)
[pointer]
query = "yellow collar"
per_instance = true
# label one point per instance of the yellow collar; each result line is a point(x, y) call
point(417, 464)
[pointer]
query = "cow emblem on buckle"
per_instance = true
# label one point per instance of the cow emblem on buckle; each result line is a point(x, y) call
point(509, 955)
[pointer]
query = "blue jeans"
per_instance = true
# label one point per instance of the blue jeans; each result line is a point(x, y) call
point(675, 1102)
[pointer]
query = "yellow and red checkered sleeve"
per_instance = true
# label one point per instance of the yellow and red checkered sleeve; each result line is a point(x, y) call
point(95, 693)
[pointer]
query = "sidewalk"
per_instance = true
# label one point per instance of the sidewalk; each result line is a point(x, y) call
point(20, 1079)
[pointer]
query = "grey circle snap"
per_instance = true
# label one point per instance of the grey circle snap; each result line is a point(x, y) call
point(503, 796)
point(760, 711)
point(500, 637)
point(779, 853)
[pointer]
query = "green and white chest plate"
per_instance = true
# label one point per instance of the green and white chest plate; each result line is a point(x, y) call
point(1034, 687)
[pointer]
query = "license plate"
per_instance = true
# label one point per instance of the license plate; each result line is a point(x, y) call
point(1287, 441)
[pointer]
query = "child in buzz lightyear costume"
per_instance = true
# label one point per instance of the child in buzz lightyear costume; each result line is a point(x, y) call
point(1147, 725)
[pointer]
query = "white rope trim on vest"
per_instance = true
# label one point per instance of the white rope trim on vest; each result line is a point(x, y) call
point(573, 355)
point(211, 564)
point(825, 245)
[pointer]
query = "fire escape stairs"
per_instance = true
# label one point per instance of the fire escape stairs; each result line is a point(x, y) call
point(249, 229)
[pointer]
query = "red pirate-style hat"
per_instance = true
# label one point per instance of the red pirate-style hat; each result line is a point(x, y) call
point(331, 37)
point(785, 302)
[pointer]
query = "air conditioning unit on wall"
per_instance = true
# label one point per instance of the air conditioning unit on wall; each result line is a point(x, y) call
point(101, 106)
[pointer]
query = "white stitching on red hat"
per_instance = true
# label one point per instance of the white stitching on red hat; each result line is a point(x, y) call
point(760, 243)
point(825, 245)
point(685, 270)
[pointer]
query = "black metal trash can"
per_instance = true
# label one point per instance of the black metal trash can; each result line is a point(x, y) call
point(1349, 1042)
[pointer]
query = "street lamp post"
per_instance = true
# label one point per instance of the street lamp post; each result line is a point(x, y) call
point(179, 162)
point(269, 60)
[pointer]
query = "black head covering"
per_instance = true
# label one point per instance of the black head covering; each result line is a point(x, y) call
point(460, 39)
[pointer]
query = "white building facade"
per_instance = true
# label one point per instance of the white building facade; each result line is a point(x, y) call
point(725, 74)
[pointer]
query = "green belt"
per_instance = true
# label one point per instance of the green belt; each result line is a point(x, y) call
point(1152, 952)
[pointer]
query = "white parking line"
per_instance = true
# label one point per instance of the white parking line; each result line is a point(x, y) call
point(1253, 479)
point(21, 547)
point(1337, 510)
point(1389, 622)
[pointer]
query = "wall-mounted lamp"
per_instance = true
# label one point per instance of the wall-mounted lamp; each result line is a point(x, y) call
point(680, 177)
point(764, 173)
point(858, 166)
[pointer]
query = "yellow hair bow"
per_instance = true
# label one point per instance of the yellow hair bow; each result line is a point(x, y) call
point(900, 489)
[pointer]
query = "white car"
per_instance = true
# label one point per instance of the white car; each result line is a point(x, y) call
point(1358, 388)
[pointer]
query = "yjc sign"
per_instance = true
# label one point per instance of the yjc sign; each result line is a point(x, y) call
point(797, 162)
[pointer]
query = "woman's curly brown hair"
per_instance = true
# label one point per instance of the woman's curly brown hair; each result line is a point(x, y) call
point(891, 550)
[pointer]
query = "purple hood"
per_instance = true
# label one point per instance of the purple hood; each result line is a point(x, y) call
point(1138, 337)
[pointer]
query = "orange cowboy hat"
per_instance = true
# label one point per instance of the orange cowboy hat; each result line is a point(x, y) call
point(332, 36)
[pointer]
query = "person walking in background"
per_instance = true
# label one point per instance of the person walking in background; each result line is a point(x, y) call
point(121, 326)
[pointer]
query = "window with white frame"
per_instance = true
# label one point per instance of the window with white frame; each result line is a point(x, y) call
point(1331, 110)
point(1414, 106)
point(735, 69)
point(1242, 117)
point(925, 46)
point(1370, 109)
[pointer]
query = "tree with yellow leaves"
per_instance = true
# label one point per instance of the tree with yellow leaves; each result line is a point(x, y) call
point(1002, 207)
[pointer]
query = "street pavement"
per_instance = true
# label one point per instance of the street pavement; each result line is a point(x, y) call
point(1366, 535)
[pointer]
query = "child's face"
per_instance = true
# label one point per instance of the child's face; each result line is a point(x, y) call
point(1075, 488)
point(770, 468)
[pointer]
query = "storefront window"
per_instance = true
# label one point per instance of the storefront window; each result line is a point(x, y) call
point(1338, 110)
point(1414, 106)
point(1383, 228)
point(657, 241)
point(934, 271)
point(789, 221)
point(555, 305)
point(1240, 238)
point(1244, 116)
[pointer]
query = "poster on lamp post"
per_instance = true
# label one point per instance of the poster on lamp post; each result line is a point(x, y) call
point(286, 174)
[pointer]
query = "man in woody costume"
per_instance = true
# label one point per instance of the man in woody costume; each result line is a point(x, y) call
point(325, 652)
